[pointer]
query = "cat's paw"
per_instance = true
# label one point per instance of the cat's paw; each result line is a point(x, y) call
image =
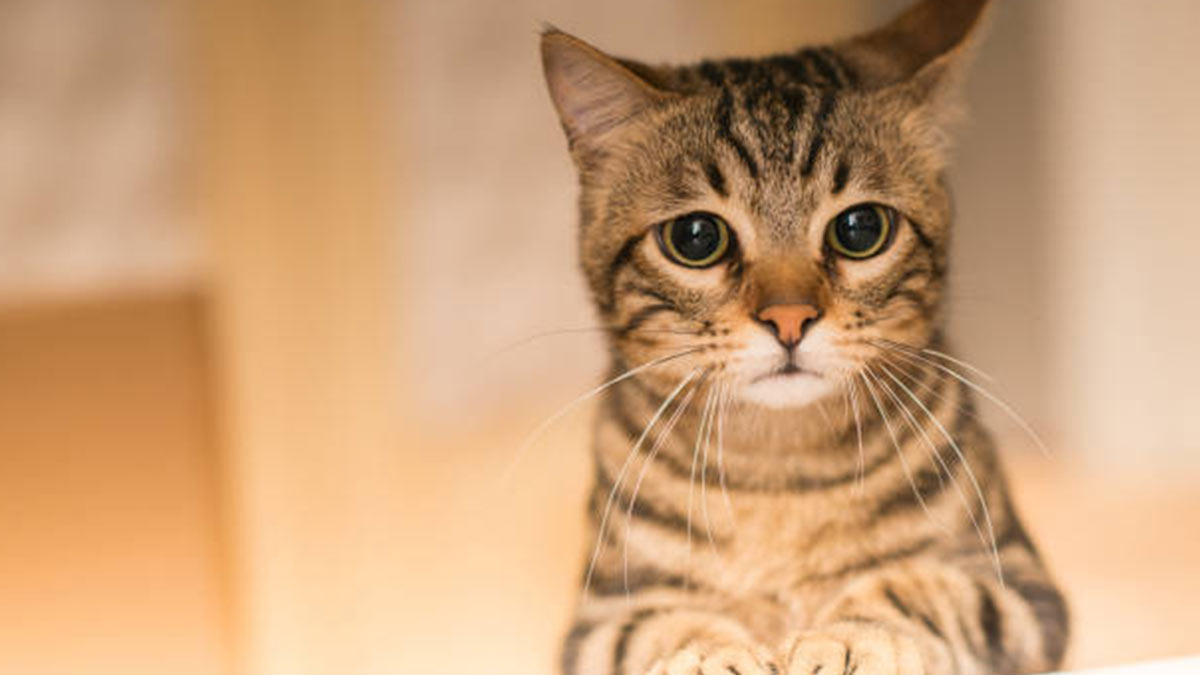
point(852, 648)
point(727, 660)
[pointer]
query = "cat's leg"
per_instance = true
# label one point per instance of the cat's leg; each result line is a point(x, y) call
point(663, 639)
point(933, 618)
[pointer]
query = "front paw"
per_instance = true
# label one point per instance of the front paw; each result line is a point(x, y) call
point(853, 648)
point(727, 660)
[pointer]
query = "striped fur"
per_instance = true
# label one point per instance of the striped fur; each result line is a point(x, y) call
point(848, 515)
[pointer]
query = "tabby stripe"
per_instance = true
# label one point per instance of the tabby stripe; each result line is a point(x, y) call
point(924, 238)
point(716, 179)
point(639, 579)
point(818, 137)
point(915, 297)
point(1051, 612)
point(991, 623)
point(1015, 535)
point(824, 69)
point(624, 257)
point(622, 646)
point(840, 177)
point(845, 74)
point(874, 561)
point(711, 72)
point(751, 99)
point(909, 613)
point(648, 292)
point(644, 509)
point(726, 132)
point(793, 102)
point(792, 66)
point(928, 483)
point(643, 315)
point(739, 70)
point(571, 645)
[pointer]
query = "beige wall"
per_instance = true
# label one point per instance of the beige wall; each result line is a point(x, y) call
point(91, 127)
point(1122, 98)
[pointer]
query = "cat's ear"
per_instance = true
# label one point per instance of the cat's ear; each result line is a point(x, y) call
point(926, 49)
point(918, 63)
point(594, 93)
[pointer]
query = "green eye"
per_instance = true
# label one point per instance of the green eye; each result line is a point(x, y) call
point(860, 231)
point(695, 240)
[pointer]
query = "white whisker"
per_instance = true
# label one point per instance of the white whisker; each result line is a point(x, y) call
point(987, 516)
point(862, 460)
point(637, 486)
point(721, 451)
point(708, 433)
point(541, 428)
point(932, 452)
point(900, 453)
point(692, 485)
point(1008, 410)
point(612, 494)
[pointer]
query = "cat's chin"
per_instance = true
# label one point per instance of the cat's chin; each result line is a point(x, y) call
point(780, 391)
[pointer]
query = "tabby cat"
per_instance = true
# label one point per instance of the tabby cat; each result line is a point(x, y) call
point(789, 474)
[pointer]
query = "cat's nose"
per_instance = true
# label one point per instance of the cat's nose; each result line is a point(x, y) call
point(789, 321)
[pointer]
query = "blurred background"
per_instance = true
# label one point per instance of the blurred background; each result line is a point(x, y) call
point(270, 273)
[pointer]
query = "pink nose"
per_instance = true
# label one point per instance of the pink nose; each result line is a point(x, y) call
point(789, 321)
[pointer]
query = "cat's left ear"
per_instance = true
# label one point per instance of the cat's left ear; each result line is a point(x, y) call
point(931, 39)
point(595, 94)
point(919, 61)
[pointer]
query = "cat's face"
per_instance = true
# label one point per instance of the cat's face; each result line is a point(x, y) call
point(778, 224)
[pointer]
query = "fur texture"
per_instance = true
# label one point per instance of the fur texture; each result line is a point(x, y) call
point(832, 506)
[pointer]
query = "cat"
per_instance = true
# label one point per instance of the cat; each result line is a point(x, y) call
point(789, 474)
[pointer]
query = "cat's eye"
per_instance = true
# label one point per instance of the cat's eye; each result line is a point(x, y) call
point(861, 231)
point(695, 240)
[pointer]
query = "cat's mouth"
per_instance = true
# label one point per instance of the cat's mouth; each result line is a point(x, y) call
point(788, 370)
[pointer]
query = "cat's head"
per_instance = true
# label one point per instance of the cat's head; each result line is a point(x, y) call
point(777, 222)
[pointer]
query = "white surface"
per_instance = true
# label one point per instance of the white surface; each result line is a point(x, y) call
point(1172, 667)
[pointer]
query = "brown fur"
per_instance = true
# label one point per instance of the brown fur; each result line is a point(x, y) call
point(742, 529)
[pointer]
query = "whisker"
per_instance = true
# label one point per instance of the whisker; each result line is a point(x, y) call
point(937, 457)
point(900, 369)
point(721, 451)
point(612, 494)
point(862, 460)
point(959, 362)
point(692, 486)
point(582, 330)
point(900, 453)
point(987, 516)
point(1008, 410)
point(663, 435)
point(916, 428)
point(708, 433)
point(914, 351)
point(825, 416)
point(541, 428)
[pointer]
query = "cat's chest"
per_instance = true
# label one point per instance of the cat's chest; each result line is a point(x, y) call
point(783, 554)
point(782, 542)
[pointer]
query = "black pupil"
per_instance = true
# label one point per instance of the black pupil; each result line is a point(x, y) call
point(695, 237)
point(859, 230)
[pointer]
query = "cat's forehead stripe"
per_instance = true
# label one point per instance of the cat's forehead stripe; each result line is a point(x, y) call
point(818, 132)
point(726, 132)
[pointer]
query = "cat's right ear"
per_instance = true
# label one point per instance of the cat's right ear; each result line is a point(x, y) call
point(595, 94)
